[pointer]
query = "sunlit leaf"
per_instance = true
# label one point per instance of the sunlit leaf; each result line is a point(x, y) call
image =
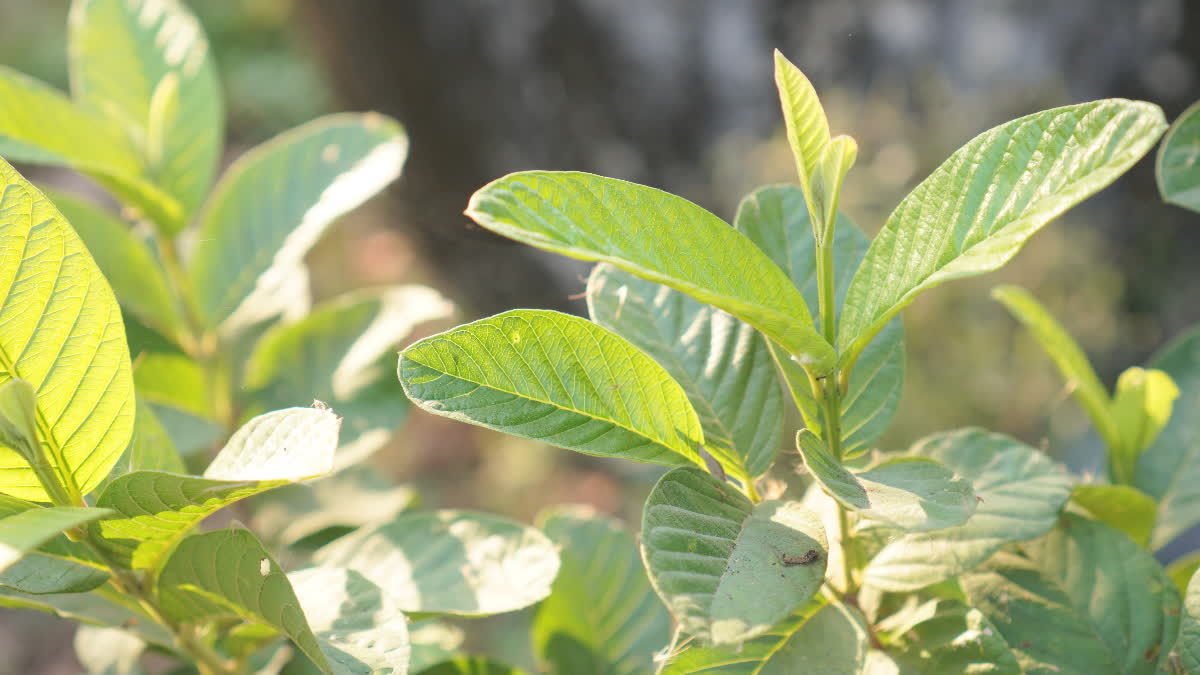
point(601, 616)
point(1020, 493)
point(976, 210)
point(657, 236)
point(1141, 407)
point(1124, 507)
point(953, 638)
point(1178, 163)
point(358, 627)
point(558, 379)
point(432, 643)
point(1181, 570)
point(144, 63)
point(1065, 606)
point(63, 334)
point(803, 115)
point(1188, 643)
point(722, 364)
point(276, 201)
point(108, 651)
point(728, 569)
point(450, 562)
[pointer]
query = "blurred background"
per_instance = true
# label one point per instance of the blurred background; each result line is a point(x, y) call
point(679, 94)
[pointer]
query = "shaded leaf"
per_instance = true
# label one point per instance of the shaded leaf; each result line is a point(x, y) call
point(273, 204)
point(1066, 607)
point(1124, 507)
point(657, 236)
point(1177, 167)
point(63, 334)
point(949, 637)
point(359, 628)
point(24, 531)
point(558, 379)
point(911, 493)
point(472, 665)
point(450, 562)
point(728, 569)
point(722, 364)
point(91, 609)
point(1020, 493)
point(601, 616)
point(978, 208)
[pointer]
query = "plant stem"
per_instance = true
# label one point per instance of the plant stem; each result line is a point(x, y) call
point(825, 289)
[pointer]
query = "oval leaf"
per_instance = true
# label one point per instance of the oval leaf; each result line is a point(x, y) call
point(1076, 579)
point(359, 628)
point(558, 379)
point(728, 569)
point(976, 210)
point(807, 128)
point(292, 444)
point(657, 236)
point(1177, 167)
point(1123, 507)
point(601, 616)
point(722, 363)
point(450, 562)
point(63, 334)
point(1020, 493)
point(911, 493)
point(1188, 643)
point(273, 204)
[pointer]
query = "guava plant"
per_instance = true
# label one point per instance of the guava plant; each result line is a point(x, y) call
point(100, 516)
point(968, 552)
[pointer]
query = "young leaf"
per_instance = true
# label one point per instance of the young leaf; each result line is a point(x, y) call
point(979, 207)
point(63, 334)
point(145, 64)
point(273, 204)
point(153, 511)
point(826, 639)
point(1188, 642)
point(826, 182)
point(227, 574)
point(558, 379)
point(1123, 507)
point(1076, 580)
point(1181, 570)
point(23, 532)
point(128, 263)
point(659, 237)
point(1177, 167)
point(450, 562)
point(954, 638)
point(358, 627)
point(1169, 470)
point(1020, 493)
point(803, 115)
point(1067, 355)
point(776, 220)
point(1141, 407)
point(910, 493)
point(722, 364)
point(348, 348)
point(601, 616)
point(729, 569)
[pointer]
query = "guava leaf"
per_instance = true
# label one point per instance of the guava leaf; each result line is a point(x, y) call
point(657, 236)
point(1178, 162)
point(729, 569)
point(950, 637)
point(1188, 642)
point(472, 665)
point(24, 531)
point(1141, 407)
point(357, 625)
point(558, 379)
point(803, 115)
point(1123, 507)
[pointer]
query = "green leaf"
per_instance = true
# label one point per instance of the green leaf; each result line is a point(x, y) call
point(23, 532)
point(826, 182)
point(227, 574)
point(659, 237)
point(92, 609)
point(276, 201)
point(829, 639)
point(151, 448)
point(776, 219)
point(472, 665)
point(128, 263)
point(1123, 507)
point(353, 497)
point(127, 59)
point(1066, 353)
point(978, 208)
point(954, 638)
point(1188, 643)
point(108, 651)
point(601, 616)
point(450, 562)
point(803, 115)
point(41, 573)
point(722, 364)
point(432, 642)
point(174, 380)
point(18, 420)
point(348, 348)
point(39, 125)
point(1020, 492)
point(910, 493)
point(1141, 408)
point(728, 569)
point(558, 379)
point(359, 628)
point(1065, 606)
point(1177, 167)
point(1181, 570)
point(1169, 470)
point(63, 334)
point(153, 511)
